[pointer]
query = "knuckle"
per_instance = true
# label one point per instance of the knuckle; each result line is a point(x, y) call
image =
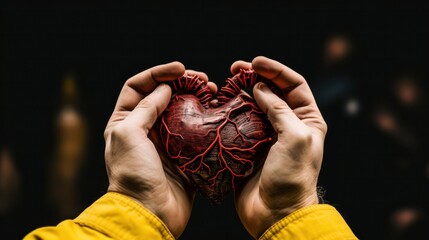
point(302, 138)
point(279, 107)
point(120, 131)
point(147, 105)
point(106, 134)
point(300, 78)
point(324, 127)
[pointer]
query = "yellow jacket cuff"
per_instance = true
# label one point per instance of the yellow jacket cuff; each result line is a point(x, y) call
point(322, 222)
point(113, 216)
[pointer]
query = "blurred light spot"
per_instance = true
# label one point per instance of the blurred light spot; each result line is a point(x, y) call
point(405, 217)
point(9, 182)
point(338, 48)
point(385, 121)
point(352, 107)
point(407, 91)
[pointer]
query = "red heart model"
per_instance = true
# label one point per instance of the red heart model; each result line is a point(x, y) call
point(216, 147)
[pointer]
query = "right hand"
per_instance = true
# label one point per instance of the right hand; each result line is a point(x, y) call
point(288, 179)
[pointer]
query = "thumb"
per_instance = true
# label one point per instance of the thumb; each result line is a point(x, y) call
point(149, 108)
point(281, 116)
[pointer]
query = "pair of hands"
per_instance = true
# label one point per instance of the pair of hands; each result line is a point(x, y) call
point(286, 182)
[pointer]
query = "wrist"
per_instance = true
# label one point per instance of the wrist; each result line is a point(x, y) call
point(121, 217)
point(273, 214)
point(323, 220)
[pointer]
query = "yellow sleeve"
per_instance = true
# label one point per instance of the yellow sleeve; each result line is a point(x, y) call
point(113, 216)
point(320, 221)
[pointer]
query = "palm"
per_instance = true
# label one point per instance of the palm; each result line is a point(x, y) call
point(147, 177)
point(288, 179)
point(271, 192)
point(134, 166)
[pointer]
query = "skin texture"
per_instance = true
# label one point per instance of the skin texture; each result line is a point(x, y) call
point(286, 182)
point(288, 179)
point(134, 167)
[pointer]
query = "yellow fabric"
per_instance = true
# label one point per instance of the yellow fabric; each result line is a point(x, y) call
point(113, 216)
point(322, 222)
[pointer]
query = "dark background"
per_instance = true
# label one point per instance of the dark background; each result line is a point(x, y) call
point(104, 44)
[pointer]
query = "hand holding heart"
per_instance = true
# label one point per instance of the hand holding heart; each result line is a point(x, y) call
point(288, 179)
point(286, 182)
point(134, 167)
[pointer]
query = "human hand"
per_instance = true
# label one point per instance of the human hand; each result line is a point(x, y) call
point(288, 179)
point(134, 166)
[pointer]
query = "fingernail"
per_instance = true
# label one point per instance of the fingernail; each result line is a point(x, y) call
point(263, 87)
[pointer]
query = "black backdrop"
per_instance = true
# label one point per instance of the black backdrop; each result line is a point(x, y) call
point(104, 44)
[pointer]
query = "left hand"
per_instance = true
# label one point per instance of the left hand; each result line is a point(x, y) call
point(134, 166)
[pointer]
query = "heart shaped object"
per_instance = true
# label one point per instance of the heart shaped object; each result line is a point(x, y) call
point(216, 147)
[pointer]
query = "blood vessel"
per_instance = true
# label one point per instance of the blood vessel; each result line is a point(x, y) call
point(216, 147)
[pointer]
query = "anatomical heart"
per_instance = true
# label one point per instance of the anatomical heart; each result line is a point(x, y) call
point(216, 146)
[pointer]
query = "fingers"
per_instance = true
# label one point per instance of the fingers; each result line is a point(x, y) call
point(281, 116)
point(237, 65)
point(211, 85)
point(148, 110)
point(140, 85)
point(297, 93)
point(284, 77)
point(201, 75)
